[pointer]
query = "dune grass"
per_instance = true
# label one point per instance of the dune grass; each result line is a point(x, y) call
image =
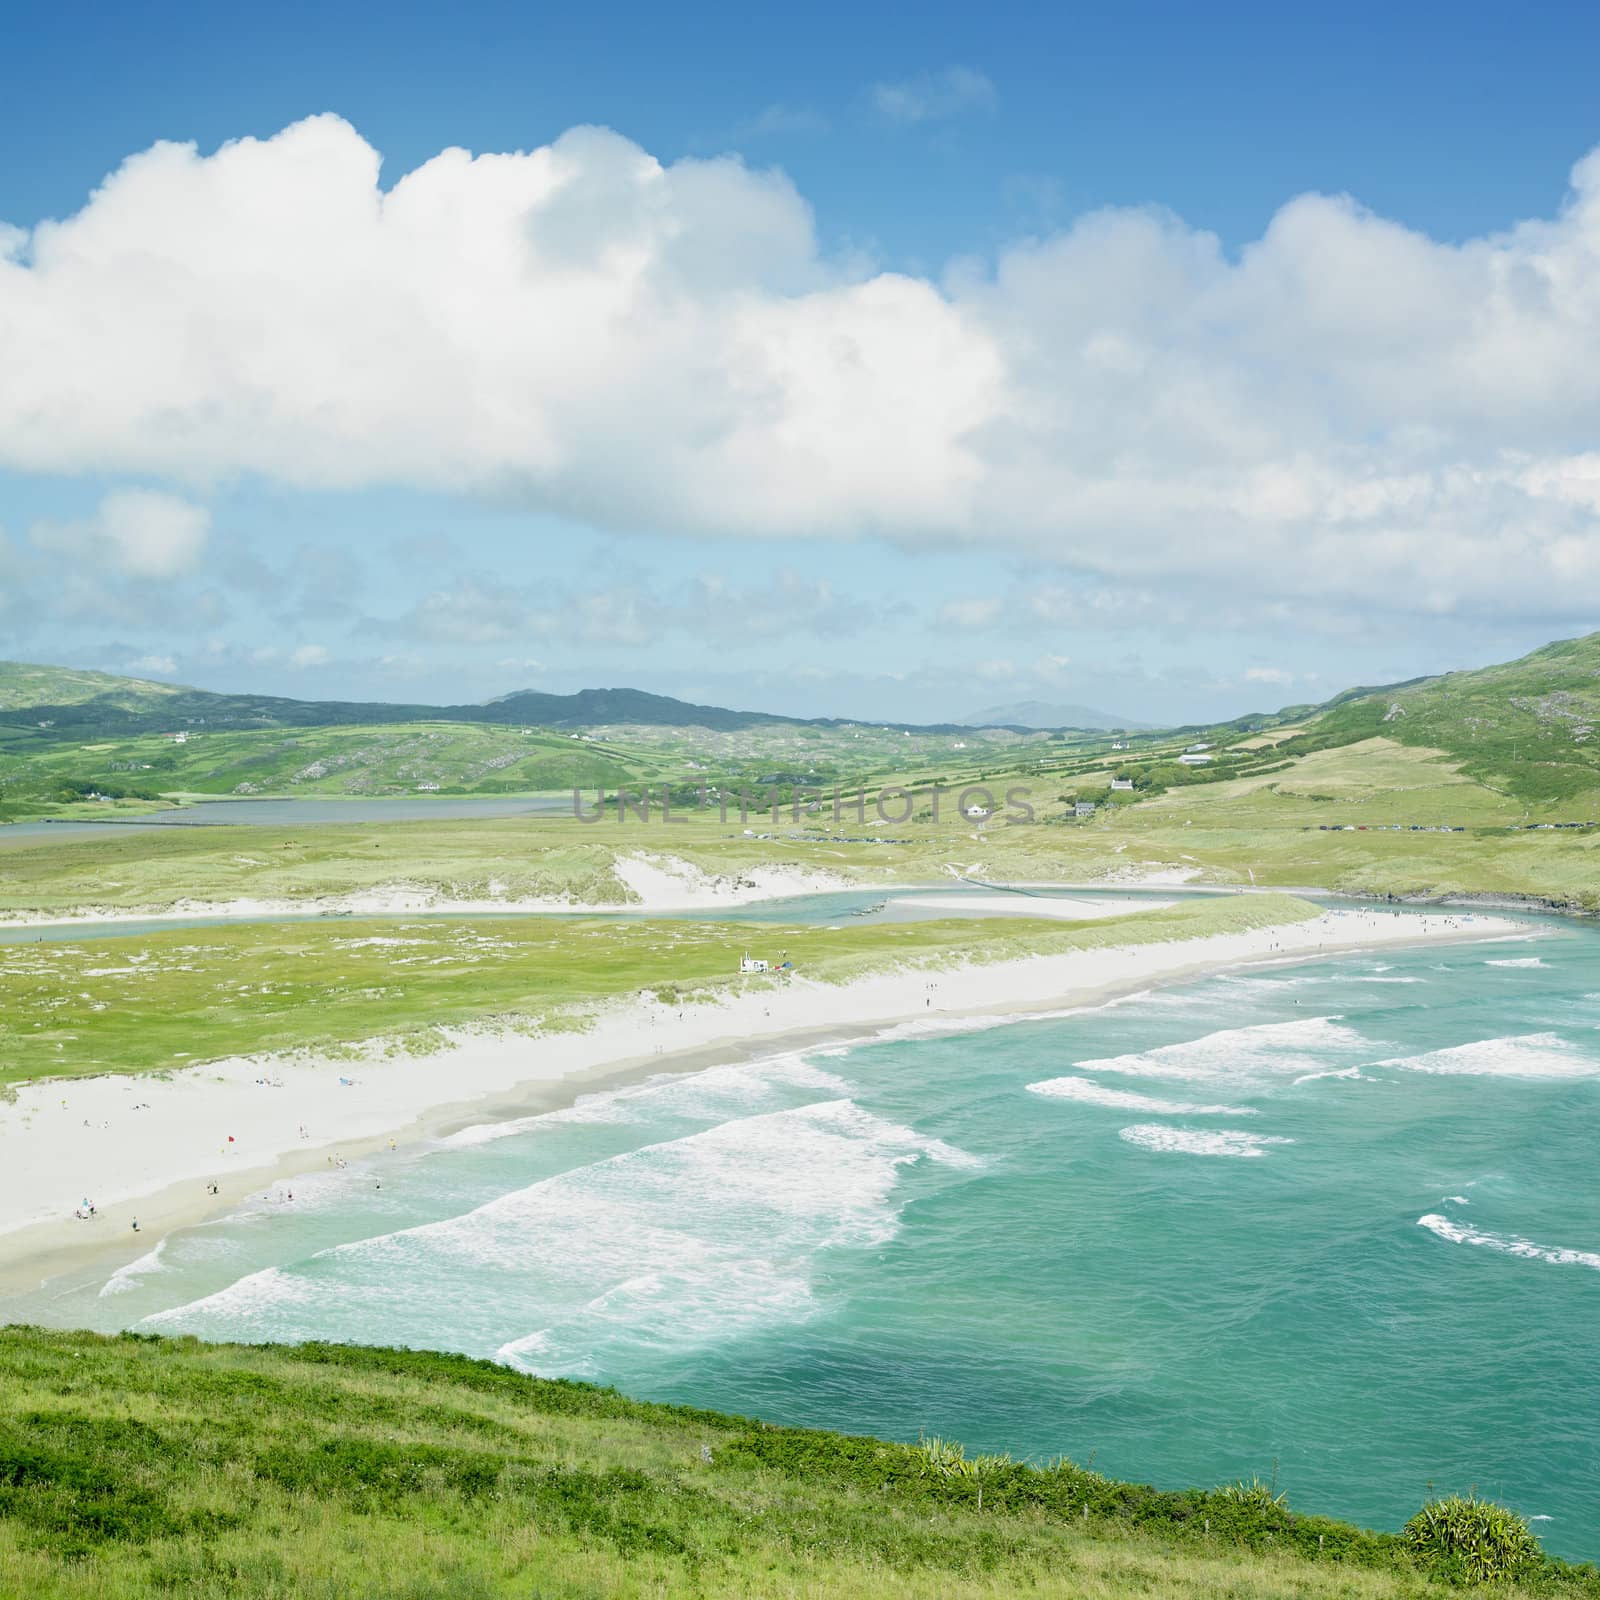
point(134, 1467)
point(185, 996)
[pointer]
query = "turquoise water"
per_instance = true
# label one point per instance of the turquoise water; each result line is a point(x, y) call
point(839, 906)
point(1337, 1223)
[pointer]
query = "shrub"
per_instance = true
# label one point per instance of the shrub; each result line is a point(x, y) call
point(1472, 1540)
point(1257, 1495)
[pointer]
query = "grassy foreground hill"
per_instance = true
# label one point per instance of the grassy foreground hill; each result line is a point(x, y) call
point(134, 1467)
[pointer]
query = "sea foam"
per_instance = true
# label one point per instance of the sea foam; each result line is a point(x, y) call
point(712, 1094)
point(1529, 1055)
point(1268, 1049)
point(1200, 1141)
point(1508, 1244)
point(1088, 1092)
point(667, 1247)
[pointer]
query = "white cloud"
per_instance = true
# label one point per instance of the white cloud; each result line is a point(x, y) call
point(154, 535)
point(164, 666)
point(933, 95)
point(978, 612)
point(139, 533)
point(1346, 415)
point(309, 655)
point(1273, 675)
point(781, 119)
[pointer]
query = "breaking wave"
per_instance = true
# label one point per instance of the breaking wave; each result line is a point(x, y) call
point(1508, 1244)
point(1266, 1050)
point(1200, 1141)
point(669, 1246)
point(1529, 1055)
point(1088, 1092)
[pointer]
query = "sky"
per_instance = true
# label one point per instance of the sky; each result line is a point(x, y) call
point(1176, 361)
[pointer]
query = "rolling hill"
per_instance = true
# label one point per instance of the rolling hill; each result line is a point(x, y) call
point(1514, 742)
point(1048, 714)
point(1529, 727)
point(94, 704)
point(137, 1466)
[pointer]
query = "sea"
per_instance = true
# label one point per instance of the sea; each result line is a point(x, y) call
point(1332, 1224)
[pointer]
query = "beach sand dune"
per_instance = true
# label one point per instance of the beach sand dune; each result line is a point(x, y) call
point(149, 1147)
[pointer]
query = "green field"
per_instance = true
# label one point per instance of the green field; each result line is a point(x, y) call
point(134, 1467)
point(159, 1001)
point(1266, 833)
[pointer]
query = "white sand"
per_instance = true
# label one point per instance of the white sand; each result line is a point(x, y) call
point(146, 1146)
point(649, 883)
point(1027, 905)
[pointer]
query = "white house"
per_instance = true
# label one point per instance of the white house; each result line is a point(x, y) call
point(1197, 747)
point(1122, 785)
point(751, 964)
point(1192, 760)
point(1083, 808)
point(977, 813)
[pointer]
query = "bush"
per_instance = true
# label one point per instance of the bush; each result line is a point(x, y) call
point(1472, 1540)
point(1255, 1494)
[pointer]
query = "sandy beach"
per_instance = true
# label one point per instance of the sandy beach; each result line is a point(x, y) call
point(647, 883)
point(1024, 905)
point(147, 1147)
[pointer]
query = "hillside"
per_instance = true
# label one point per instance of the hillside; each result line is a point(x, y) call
point(1507, 746)
point(66, 703)
point(24, 686)
point(1530, 727)
point(1503, 746)
point(397, 758)
point(137, 1467)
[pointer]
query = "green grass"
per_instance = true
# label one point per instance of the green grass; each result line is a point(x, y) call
point(1224, 834)
point(186, 996)
point(24, 684)
point(406, 758)
point(132, 1468)
point(1528, 727)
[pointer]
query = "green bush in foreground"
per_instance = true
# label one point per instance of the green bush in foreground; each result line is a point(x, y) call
point(1473, 1540)
point(139, 1468)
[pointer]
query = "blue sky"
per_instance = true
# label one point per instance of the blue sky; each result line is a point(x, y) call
point(1006, 364)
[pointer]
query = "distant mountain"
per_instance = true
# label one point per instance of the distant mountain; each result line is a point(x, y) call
point(1047, 714)
point(96, 704)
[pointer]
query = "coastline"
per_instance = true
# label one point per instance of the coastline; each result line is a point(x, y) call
point(147, 1146)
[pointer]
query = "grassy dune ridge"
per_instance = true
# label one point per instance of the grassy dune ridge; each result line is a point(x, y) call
point(185, 996)
point(1224, 834)
point(133, 1467)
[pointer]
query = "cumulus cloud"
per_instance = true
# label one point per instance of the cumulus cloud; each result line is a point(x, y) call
point(309, 655)
point(1278, 676)
point(1347, 413)
point(139, 532)
point(933, 95)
